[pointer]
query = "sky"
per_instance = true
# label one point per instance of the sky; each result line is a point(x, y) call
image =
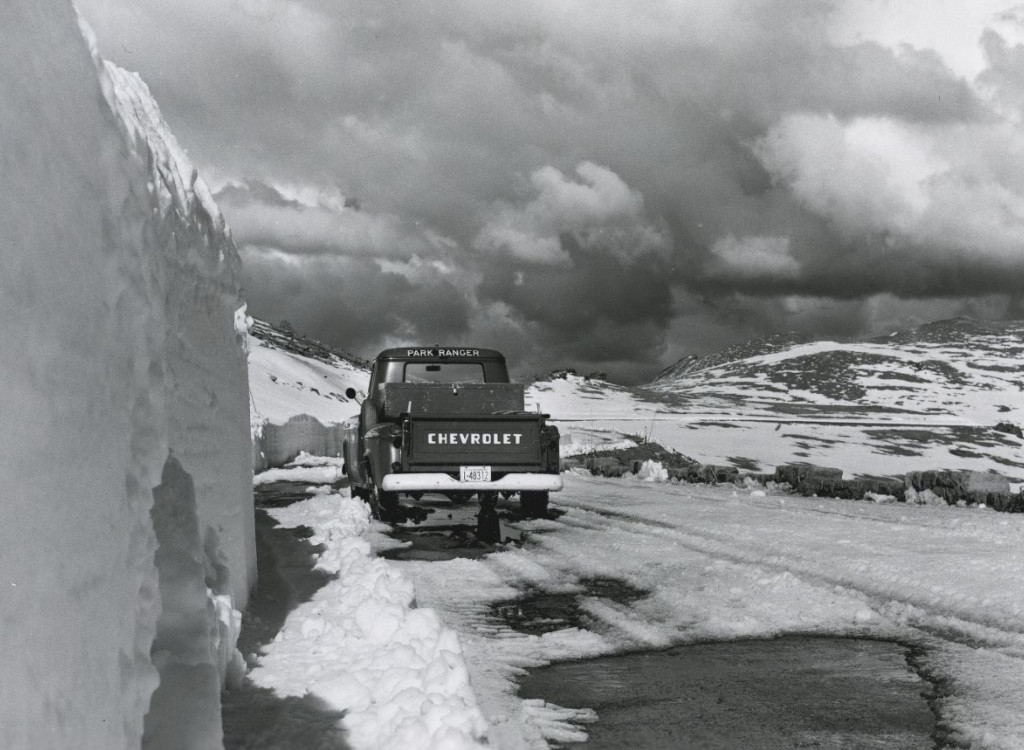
point(594, 184)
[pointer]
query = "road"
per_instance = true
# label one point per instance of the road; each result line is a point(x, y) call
point(714, 564)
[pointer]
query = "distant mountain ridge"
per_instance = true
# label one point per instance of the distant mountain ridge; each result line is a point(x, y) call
point(960, 368)
point(753, 347)
point(945, 395)
point(283, 337)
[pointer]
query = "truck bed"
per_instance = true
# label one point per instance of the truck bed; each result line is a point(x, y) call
point(452, 399)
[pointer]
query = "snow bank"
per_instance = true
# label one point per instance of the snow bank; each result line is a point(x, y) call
point(205, 351)
point(652, 471)
point(277, 444)
point(120, 371)
point(206, 481)
point(363, 647)
point(322, 474)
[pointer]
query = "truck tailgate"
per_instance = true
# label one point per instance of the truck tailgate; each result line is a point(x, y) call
point(506, 440)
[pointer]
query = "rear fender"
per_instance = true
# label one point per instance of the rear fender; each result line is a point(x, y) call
point(354, 468)
point(381, 451)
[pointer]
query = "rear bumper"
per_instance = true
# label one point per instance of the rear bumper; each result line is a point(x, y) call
point(443, 483)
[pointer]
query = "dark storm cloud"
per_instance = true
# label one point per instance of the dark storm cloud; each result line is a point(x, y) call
point(609, 182)
point(339, 300)
point(585, 307)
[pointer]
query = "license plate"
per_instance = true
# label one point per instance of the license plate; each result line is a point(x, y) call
point(474, 473)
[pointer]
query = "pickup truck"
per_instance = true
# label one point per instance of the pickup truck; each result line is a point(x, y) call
point(447, 420)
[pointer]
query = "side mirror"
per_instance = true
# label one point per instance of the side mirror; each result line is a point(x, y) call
point(351, 393)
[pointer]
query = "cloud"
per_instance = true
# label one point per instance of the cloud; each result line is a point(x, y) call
point(261, 215)
point(938, 194)
point(867, 175)
point(754, 258)
point(600, 212)
point(337, 299)
point(600, 182)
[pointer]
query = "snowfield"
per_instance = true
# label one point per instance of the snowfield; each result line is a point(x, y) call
point(717, 563)
point(720, 421)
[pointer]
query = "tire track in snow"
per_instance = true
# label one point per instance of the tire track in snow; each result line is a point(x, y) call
point(968, 624)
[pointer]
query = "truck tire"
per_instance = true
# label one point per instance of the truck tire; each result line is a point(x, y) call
point(533, 503)
point(488, 528)
point(384, 505)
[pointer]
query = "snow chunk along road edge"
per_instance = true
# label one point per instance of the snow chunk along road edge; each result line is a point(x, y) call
point(362, 646)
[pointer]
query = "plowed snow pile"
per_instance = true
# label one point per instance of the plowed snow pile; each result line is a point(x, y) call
point(363, 647)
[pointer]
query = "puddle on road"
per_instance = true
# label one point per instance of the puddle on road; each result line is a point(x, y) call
point(436, 543)
point(444, 530)
point(794, 692)
point(541, 613)
point(282, 494)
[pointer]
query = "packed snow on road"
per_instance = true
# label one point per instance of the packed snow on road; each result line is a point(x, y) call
point(409, 651)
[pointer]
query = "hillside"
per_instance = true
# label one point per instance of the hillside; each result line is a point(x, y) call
point(290, 375)
point(956, 370)
point(924, 398)
point(297, 394)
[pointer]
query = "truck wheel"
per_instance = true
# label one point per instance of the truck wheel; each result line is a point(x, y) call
point(533, 503)
point(488, 529)
point(384, 506)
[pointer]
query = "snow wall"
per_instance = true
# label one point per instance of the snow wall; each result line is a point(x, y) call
point(127, 546)
point(277, 444)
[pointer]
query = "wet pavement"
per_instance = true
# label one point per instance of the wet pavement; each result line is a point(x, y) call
point(256, 717)
point(437, 543)
point(792, 692)
point(827, 693)
point(444, 530)
point(538, 613)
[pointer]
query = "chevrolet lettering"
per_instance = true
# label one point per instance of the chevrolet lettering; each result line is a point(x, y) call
point(447, 420)
point(474, 438)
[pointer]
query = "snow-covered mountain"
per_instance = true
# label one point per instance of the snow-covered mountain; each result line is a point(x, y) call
point(290, 374)
point(959, 370)
point(926, 398)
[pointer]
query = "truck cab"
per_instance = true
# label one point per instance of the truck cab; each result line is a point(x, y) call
point(447, 420)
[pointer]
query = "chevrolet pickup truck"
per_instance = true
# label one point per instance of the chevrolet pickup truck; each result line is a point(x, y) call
point(447, 420)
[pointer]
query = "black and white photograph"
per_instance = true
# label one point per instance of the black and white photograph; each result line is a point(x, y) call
point(528, 375)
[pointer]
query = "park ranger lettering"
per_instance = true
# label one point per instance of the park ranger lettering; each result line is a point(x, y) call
point(443, 353)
